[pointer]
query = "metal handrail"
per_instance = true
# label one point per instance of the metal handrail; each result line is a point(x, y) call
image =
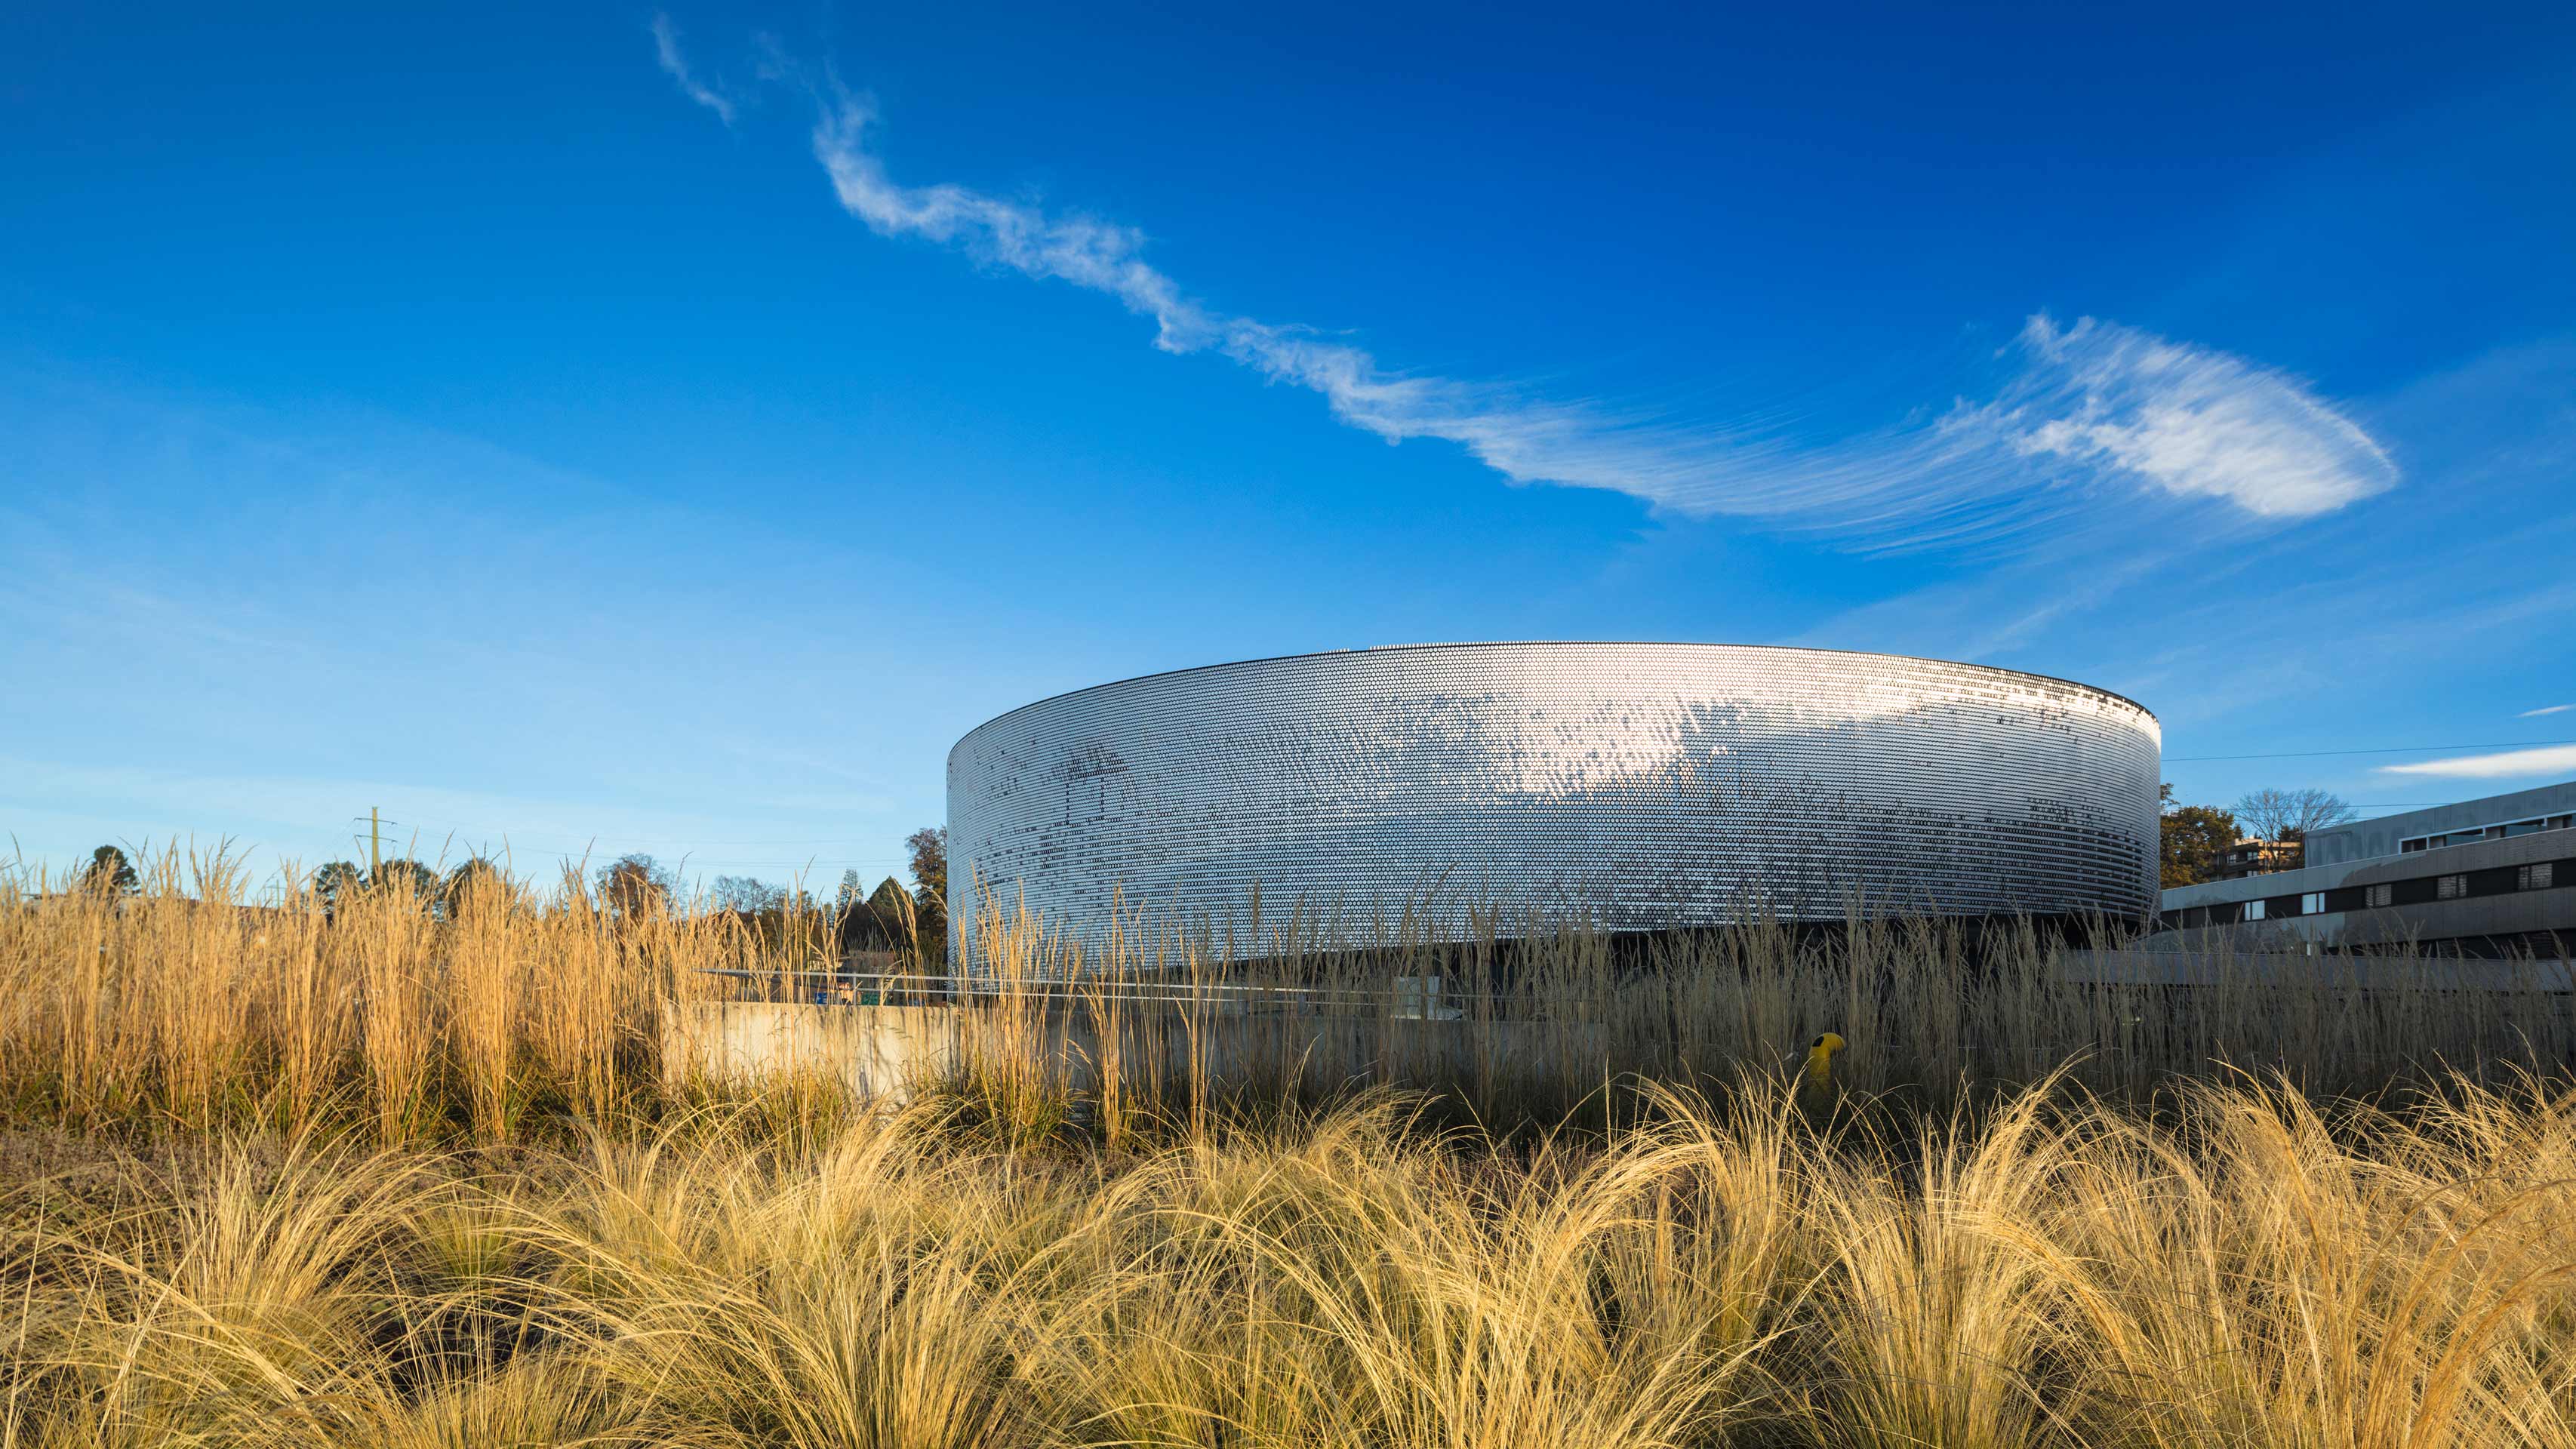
point(971, 988)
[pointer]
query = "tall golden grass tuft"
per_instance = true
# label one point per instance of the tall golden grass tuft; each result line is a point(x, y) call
point(487, 969)
point(311, 1004)
point(402, 1017)
point(575, 969)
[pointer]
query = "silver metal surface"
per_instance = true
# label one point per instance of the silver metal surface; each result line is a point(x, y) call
point(1638, 786)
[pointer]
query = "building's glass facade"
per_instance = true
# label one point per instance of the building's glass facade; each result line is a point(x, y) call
point(1640, 786)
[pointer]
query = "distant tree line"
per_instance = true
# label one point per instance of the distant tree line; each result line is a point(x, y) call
point(911, 922)
point(892, 918)
point(914, 921)
point(446, 896)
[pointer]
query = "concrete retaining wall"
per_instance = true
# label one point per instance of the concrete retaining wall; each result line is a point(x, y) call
point(876, 1051)
point(886, 1051)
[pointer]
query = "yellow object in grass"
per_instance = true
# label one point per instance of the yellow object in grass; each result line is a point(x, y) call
point(1819, 1073)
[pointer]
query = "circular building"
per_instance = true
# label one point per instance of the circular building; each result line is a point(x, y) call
point(1639, 787)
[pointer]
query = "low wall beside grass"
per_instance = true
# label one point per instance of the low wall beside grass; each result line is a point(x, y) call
point(2123, 1020)
point(874, 1051)
point(893, 1053)
point(507, 1011)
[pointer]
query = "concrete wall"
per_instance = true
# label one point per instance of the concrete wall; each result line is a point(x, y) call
point(888, 1051)
point(876, 1051)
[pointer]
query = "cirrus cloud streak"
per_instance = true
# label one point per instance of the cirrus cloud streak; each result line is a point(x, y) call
point(2080, 413)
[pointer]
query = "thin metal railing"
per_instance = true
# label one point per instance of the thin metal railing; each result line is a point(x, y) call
point(974, 989)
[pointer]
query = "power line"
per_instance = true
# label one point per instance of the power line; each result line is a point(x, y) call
point(609, 858)
point(685, 840)
point(603, 852)
point(667, 846)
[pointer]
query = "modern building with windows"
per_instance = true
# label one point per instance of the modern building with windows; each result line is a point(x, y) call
point(2488, 877)
point(2256, 857)
point(1637, 787)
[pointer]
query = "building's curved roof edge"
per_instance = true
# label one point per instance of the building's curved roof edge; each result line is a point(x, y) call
point(1551, 643)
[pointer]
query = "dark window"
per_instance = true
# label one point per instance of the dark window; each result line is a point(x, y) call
point(2379, 896)
point(2536, 877)
point(2450, 887)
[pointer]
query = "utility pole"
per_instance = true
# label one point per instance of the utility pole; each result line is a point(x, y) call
point(376, 823)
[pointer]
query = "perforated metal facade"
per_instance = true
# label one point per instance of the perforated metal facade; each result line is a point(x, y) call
point(1642, 786)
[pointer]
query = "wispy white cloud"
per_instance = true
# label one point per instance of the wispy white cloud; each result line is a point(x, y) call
point(2081, 408)
point(2548, 709)
point(2189, 420)
point(2548, 760)
point(666, 48)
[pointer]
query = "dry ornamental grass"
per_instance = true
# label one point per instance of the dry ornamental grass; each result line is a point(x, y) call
point(393, 1178)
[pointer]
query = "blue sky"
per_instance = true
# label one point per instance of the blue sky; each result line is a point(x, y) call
point(608, 428)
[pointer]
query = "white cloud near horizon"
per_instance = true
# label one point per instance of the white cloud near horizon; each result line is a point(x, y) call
point(2082, 406)
point(2547, 760)
point(2547, 709)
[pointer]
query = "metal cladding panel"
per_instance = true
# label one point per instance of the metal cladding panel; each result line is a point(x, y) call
point(1640, 786)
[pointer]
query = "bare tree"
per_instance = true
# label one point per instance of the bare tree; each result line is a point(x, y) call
point(2288, 815)
point(747, 895)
